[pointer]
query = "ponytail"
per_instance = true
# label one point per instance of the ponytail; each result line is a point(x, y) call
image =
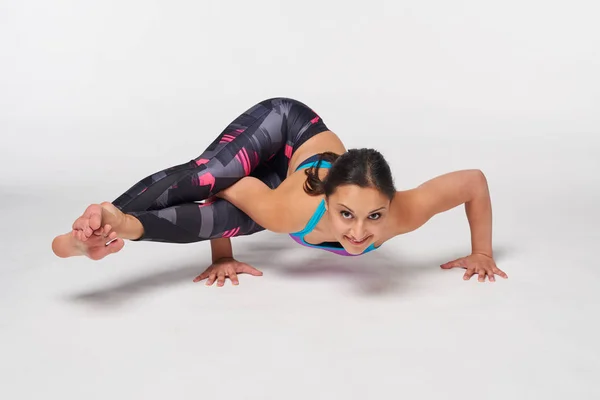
point(313, 185)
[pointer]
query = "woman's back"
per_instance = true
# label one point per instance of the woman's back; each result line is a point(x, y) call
point(320, 143)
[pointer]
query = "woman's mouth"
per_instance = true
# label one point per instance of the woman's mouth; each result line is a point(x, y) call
point(357, 242)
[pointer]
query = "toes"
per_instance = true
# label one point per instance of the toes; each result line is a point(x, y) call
point(95, 221)
point(115, 246)
point(111, 238)
point(87, 231)
point(105, 231)
point(101, 231)
point(99, 252)
point(90, 221)
point(79, 223)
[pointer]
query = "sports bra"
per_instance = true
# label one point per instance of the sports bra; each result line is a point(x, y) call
point(334, 247)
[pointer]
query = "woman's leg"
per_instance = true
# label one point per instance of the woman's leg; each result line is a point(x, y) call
point(273, 127)
point(191, 222)
point(260, 142)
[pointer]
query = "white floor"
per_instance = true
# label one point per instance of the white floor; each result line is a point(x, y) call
point(385, 325)
point(96, 96)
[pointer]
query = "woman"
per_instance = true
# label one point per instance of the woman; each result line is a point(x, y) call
point(278, 167)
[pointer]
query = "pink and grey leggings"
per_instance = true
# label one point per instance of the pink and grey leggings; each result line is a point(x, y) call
point(259, 143)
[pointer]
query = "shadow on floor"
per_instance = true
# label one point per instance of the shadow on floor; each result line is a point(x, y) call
point(376, 273)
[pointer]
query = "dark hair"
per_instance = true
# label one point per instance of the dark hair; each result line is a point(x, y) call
point(362, 167)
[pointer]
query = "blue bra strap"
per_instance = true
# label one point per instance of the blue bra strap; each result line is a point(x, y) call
point(313, 221)
point(324, 164)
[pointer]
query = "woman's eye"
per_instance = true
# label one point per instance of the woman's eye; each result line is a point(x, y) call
point(375, 216)
point(346, 214)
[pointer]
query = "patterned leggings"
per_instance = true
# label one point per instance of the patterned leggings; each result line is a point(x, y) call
point(258, 143)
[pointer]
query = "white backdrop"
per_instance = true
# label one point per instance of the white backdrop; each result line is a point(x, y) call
point(96, 95)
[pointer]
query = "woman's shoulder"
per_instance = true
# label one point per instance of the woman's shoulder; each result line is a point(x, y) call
point(293, 200)
point(323, 142)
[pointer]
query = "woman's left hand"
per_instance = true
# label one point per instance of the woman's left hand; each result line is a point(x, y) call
point(476, 263)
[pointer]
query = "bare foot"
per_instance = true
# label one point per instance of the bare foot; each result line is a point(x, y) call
point(98, 232)
point(96, 247)
point(97, 216)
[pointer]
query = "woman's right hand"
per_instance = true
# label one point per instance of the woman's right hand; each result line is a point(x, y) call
point(226, 267)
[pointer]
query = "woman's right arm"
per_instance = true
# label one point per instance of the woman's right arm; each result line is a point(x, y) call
point(221, 248)
point(269, 208)
point(224, 265)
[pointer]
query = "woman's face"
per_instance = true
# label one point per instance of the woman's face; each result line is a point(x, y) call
point(357, 216)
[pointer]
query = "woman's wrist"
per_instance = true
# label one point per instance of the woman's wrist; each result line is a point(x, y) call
point(221, 248)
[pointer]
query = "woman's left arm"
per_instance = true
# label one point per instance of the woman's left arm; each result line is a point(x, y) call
point(412, 208)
